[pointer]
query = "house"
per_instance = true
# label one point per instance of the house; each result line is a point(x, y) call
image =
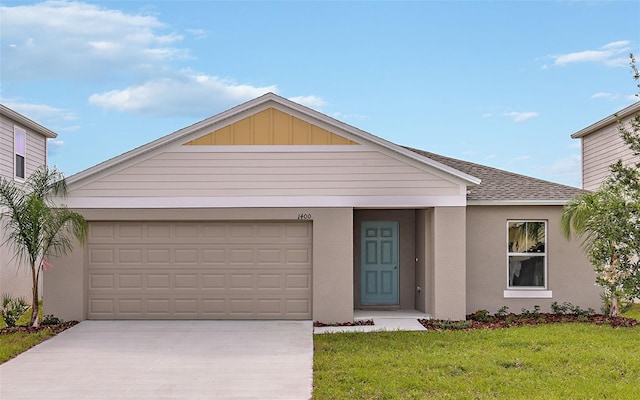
point(23, 148)
point(271, 210)
point(603, 146)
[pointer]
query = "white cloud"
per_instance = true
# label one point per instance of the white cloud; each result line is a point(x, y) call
point(185, 93)
point(75, 40)
point(198, 33)
point(521, 158)
point(614, 54)
point(604, 95)
point(348, 117)
point(310, 101)
point(565, 170)
point(487, 115)
point(53, 145)
point(490, 157)
point(521, 116)
point(56, 119)
point(633, 97)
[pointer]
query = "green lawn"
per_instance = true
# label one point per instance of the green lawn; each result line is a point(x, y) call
point(633, 312)
point(12, 344)
point(561, 361)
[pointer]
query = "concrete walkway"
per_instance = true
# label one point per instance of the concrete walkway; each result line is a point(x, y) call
point(166, 360)
point(396, 320)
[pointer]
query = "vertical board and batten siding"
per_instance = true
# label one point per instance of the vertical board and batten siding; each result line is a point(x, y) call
point(269, 173)
point(600, 150)
point(36, 149)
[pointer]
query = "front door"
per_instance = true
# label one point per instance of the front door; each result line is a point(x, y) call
point(379, 262)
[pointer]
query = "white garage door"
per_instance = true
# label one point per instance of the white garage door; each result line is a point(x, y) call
point(188, 270)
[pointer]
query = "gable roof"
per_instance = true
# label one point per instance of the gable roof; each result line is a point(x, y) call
point(21, 119)
point(503, 187)
point(624, 113)
point(271, 98)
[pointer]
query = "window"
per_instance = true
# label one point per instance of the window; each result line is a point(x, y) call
point(526, 253)
point(20, 150)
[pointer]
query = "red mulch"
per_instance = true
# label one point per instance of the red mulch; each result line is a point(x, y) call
point(513, 320)
point(356, 323)
point(28, 329)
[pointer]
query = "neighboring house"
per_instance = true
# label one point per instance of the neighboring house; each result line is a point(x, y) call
point(271, 210)
point(603, 146)
point(23, 148)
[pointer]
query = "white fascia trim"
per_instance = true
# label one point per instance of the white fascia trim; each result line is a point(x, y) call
point(622, 114)
point(266, 202)
point(21, 119)
point(271, 148)
point(528, 294)
point(517, 202)
point(369, 137)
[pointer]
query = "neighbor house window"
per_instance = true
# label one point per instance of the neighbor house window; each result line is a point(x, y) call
point(20, 150)
point(526, 253)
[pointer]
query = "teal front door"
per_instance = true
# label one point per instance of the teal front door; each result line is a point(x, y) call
point(379, 262)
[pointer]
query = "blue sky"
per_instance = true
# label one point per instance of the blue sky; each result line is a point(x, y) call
point(498, 83)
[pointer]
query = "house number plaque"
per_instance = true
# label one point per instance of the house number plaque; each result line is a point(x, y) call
point(304, 216)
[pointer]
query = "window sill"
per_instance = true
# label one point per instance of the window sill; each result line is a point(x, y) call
point(528, 294)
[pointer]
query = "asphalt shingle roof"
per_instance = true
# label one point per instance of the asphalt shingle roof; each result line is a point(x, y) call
point(500, 185)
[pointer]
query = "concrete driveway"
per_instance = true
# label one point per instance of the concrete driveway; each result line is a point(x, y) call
point(166, 360)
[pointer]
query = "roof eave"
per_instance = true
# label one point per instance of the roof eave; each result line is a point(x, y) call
point(624, 113)
point(177, 135)
point(551, 202)
point(21, 119)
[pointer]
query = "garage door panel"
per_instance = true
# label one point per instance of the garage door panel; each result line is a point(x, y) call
point(143, 270)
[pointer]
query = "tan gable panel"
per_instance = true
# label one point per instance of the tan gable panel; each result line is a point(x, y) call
point(270, 127)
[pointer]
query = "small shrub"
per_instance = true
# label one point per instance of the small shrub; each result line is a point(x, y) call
point(480, 315)
point(502, 312)
point(535, 313)
point(12, 309)
point(560, 309)
point(451, 325)
point(51, 320)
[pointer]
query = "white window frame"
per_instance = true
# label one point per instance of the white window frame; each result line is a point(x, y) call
point(528, 291)
point(16, 130)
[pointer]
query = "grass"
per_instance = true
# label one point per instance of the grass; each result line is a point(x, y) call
point(633, 312)
point(558, 361)
point(12, 344)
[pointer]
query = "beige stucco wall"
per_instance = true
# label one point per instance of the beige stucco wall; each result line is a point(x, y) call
point(15, 277)
point(570, 276)
point(65, 286)
point(406, 221)
point(446, 265)
point(424, 264)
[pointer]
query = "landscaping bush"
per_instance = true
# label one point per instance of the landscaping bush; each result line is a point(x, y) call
point(12, 309)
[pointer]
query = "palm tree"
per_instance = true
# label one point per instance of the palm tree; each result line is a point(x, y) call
point(36, 227)
point(606, 220)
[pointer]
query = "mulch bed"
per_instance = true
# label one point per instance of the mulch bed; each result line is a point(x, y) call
point(317, 324)
point(28, 329)
point(513, 320)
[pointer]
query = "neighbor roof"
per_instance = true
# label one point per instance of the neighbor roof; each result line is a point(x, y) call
point(9, 113)
point(501, 187)
point(614, 118)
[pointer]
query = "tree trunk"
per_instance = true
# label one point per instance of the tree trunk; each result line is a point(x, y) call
point(35, 305)
point(613, 308)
